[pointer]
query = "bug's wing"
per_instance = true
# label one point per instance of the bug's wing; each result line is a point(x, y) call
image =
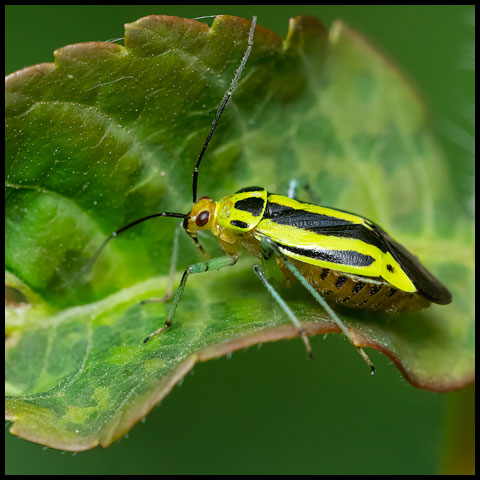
point(326, 242)
point(337, 239)
point(423, 280)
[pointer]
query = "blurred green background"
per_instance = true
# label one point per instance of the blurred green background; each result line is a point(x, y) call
point(268, 410)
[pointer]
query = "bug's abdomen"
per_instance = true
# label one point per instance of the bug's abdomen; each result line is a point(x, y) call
point(360, 292)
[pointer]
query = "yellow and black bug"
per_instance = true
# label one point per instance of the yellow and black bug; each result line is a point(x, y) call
point(336, 255)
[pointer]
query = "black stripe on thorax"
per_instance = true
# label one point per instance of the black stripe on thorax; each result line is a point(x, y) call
point(322, 224)
point(239, 224)
point(253, 205)
point(342, 257)
point(250, 189)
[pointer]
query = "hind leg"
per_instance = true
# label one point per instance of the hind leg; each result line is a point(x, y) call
point(270, 247)
point(260, 274)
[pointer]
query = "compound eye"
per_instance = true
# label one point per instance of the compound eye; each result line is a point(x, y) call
point(202, 218)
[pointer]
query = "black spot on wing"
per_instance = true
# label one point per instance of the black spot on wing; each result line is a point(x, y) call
point(423, 280)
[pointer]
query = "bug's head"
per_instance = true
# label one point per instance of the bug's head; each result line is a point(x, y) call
point(201, 217)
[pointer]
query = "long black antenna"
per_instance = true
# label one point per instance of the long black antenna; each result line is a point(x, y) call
point(89, 265)
point(225, 100)
point(224, 103)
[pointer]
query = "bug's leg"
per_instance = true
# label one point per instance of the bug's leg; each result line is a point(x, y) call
point(268, 245)
point(212, 264)
point(171, 274)
point(293, 187)
point(284, 307)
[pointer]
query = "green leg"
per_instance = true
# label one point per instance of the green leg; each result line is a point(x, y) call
point(212, 264)
point(171, 274)
point(269, 247)
point(284, 307)
point(293, 187)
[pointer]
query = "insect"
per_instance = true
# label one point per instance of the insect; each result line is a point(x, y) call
point(336, 255)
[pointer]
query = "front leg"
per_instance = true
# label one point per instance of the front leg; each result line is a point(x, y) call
point(211, 264)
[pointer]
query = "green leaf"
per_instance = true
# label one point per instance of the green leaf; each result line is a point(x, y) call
point(109, 133)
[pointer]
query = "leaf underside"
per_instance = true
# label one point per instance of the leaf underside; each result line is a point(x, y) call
point(110, 133)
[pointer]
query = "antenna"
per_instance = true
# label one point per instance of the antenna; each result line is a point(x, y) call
point(224, 103)
point(89, 265)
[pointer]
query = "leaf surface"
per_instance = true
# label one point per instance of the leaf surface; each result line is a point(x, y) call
point(110, 133)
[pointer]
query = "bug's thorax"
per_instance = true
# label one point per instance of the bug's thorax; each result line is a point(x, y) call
point(220, 218)
point(236, 218)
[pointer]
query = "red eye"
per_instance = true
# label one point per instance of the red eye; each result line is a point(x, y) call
point(202, 218)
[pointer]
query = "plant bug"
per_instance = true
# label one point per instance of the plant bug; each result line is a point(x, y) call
point(338, 255)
